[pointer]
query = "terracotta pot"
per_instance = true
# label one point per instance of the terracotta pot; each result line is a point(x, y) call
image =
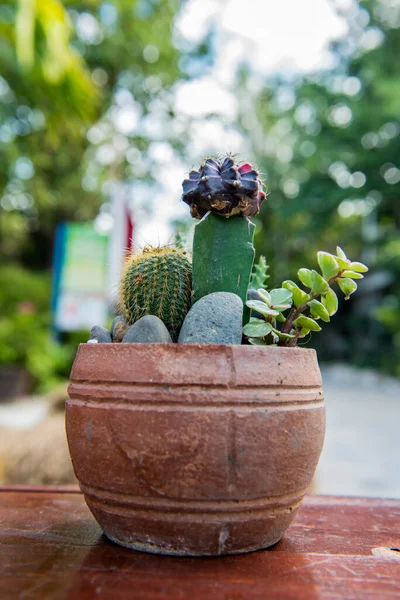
point(194, 450)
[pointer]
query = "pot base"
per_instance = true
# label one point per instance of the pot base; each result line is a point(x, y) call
point(152, 549)
point(187, 533)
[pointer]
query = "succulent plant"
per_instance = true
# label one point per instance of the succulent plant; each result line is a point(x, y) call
point(306, 307)
point(157, 282)
point(259, 276)
point(258, 280)
point(224, 187)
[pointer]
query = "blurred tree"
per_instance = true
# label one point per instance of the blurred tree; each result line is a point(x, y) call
point(84, 87)
point(78, 79)
point(329, 146)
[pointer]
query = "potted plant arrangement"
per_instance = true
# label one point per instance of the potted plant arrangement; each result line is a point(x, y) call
point(195, 425)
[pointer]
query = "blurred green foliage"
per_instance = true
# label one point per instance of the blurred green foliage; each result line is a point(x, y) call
point(65, 67)
point(25, 325)
point(78, 78)
point(329, 147)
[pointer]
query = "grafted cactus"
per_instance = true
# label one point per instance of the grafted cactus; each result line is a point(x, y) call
point(223, 194)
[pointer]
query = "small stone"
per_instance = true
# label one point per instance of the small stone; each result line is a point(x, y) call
point(253, 295)
point(119, 327)
point(148, 330)
point(92, 342)
point(214, 319)
point(100, 334)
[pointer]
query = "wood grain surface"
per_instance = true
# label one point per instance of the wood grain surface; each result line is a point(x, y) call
point(52, 548)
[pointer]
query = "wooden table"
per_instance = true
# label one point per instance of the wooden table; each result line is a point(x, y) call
point(52, 548)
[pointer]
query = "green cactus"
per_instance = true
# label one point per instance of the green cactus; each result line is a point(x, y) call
point(223, 194)
point(223, 255)
point(157, 282)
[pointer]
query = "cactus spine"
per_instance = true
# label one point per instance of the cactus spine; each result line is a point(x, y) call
point(157, 282)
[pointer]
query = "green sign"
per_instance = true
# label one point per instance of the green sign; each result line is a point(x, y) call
point(80, 277)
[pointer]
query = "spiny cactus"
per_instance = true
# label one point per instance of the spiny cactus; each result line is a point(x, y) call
point(223, 187)
point(157, 282)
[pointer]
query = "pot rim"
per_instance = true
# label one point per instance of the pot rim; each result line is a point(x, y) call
point(175, 347)
point(196, 364)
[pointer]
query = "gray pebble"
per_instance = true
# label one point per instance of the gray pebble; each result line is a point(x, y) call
point(214, 319)
point(119, 327)
point(100, 334)
point(148, 330)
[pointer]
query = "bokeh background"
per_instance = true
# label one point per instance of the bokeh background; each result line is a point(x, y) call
point(119, 99)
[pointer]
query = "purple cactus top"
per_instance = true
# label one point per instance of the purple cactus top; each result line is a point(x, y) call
point(223, 187)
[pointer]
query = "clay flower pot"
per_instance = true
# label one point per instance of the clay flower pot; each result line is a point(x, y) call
point(194, 449)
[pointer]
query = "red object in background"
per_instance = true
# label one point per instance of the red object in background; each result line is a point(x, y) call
point(121, 243)
point(27, 307)
point(129, 231)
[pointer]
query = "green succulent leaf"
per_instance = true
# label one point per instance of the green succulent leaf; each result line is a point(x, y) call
point(282, 307)
point(319, 284)
point(257, 330)
point(341, 258)
point(318, 310)
point(281, 318)
point(343, 264)
point(307, 323)
point(328, 264)
point(290, 285)
point(262, 308)
point(352, 275)
point(254, 320)
point(305, 277)
point(266, 296)
point(304, 332)
point(340, 253)
point(358, 267)
point(348, 286)
point(257, 342)
point(280, 296)
point(283, 336)
point(299, 296)
point(330, 301)
point(275, 337)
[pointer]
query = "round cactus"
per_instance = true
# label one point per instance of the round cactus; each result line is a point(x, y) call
point(223, 187)
point(157, 281)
